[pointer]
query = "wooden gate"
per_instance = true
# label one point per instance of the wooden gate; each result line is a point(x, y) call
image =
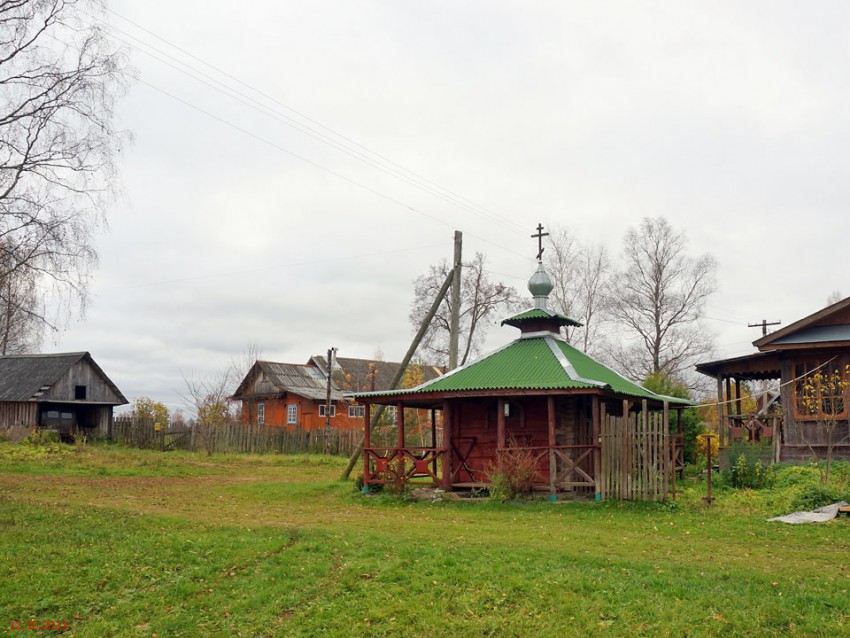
point(636, 457)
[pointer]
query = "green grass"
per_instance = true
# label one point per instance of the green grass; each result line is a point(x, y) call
point(124, 542)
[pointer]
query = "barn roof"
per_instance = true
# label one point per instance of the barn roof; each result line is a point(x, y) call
point(23, 376)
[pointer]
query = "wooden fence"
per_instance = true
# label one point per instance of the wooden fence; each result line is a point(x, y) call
point(636, 457)
point(234, 437)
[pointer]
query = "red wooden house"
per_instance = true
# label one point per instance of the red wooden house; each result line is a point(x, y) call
point(591, 430)
point(294, 395)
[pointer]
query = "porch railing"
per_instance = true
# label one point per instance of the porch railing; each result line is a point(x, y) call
point(566, 462)
point(385, 464)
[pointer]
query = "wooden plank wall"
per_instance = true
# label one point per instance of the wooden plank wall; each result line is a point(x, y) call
point(636, 457)
point(18, 413)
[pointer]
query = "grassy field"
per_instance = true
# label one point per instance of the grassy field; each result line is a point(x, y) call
point(120, 542)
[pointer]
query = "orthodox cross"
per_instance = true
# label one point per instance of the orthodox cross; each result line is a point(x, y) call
point(540, 235)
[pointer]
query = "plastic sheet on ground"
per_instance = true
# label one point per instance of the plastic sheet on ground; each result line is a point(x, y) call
point(820, 515)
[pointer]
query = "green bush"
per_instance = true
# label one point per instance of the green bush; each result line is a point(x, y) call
point(815, 495)
point(41, 436)
point(746, 469)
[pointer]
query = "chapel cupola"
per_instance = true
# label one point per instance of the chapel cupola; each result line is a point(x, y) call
point(539, 320)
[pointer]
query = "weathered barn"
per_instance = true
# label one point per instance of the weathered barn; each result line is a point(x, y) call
point(792, 355)
point(294, 396)
point(589, 430)
point(62, 391)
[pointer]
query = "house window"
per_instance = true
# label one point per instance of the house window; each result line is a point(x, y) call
point(261, 413)
point(820, 391)
point(356, 411)
point(80, 392)
point(322, 410)
point(292, 414)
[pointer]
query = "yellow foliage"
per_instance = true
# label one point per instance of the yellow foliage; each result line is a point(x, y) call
point(702, 444)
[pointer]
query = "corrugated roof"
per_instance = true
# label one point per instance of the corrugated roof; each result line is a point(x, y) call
point(539, 363)
point(22, 375)
point(815, 334)
point(540, 313)
point(305, 381)
point(351, 374)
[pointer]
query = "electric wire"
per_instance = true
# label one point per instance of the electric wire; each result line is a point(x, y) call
point(395, 169)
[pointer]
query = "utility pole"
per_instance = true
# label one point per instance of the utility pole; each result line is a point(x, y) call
point(454, 320)
point(376, 416)
point(331, 354)
point(763, 325)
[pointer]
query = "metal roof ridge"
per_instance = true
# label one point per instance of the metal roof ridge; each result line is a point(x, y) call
point(567, 366)
point(424, 385)
point(463, 367)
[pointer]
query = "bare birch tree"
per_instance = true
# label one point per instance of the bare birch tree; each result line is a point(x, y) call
point(580, 273)
point(660, 296)
point(58, 146)
point(481, 301)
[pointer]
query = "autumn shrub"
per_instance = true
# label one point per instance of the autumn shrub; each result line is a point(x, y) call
point(513, 474)
point(815, 495)
point(395, 478)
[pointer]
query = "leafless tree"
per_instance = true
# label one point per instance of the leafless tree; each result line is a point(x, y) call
point(481, 301)
point(660, 296)
point(580, 272)
point(209, 398)
point(20, 310)
point(58, 145)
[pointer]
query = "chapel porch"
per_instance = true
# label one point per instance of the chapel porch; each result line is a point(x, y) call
point(582, 446)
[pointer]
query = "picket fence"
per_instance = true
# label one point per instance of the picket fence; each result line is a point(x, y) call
point(235, 437)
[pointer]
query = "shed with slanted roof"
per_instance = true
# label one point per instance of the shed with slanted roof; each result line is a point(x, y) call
point(63, 391)
point(587, 429)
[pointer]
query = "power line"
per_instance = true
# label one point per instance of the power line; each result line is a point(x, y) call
point(376, 160)
point(270, 267)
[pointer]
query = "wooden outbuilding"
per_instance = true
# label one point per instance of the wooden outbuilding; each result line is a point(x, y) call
point(65, 391)
point(791, 356)
point(590, 431)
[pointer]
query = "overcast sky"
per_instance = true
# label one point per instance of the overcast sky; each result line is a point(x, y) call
point(728, 118)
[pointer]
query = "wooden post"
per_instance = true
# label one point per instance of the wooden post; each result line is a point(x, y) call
point(664, 457)
point(597, 454)
point(454, 319)
point(400, 373)
point(604, 451)
point(367, 431)
point(553, 462)
point(434, 439)
point(399, 420)
point(727, 405)
point(447, 444)
point(738, 396)
point(720, 409)
point(626, 482)
point(500, 427)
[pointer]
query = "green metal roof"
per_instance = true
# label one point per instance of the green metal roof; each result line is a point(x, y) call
point(538, 313)
point(532, 363)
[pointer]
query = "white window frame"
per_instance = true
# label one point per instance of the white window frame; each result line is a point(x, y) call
point(322, 411)
point(292, 414)
point(356, 411)
point(261, 413)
